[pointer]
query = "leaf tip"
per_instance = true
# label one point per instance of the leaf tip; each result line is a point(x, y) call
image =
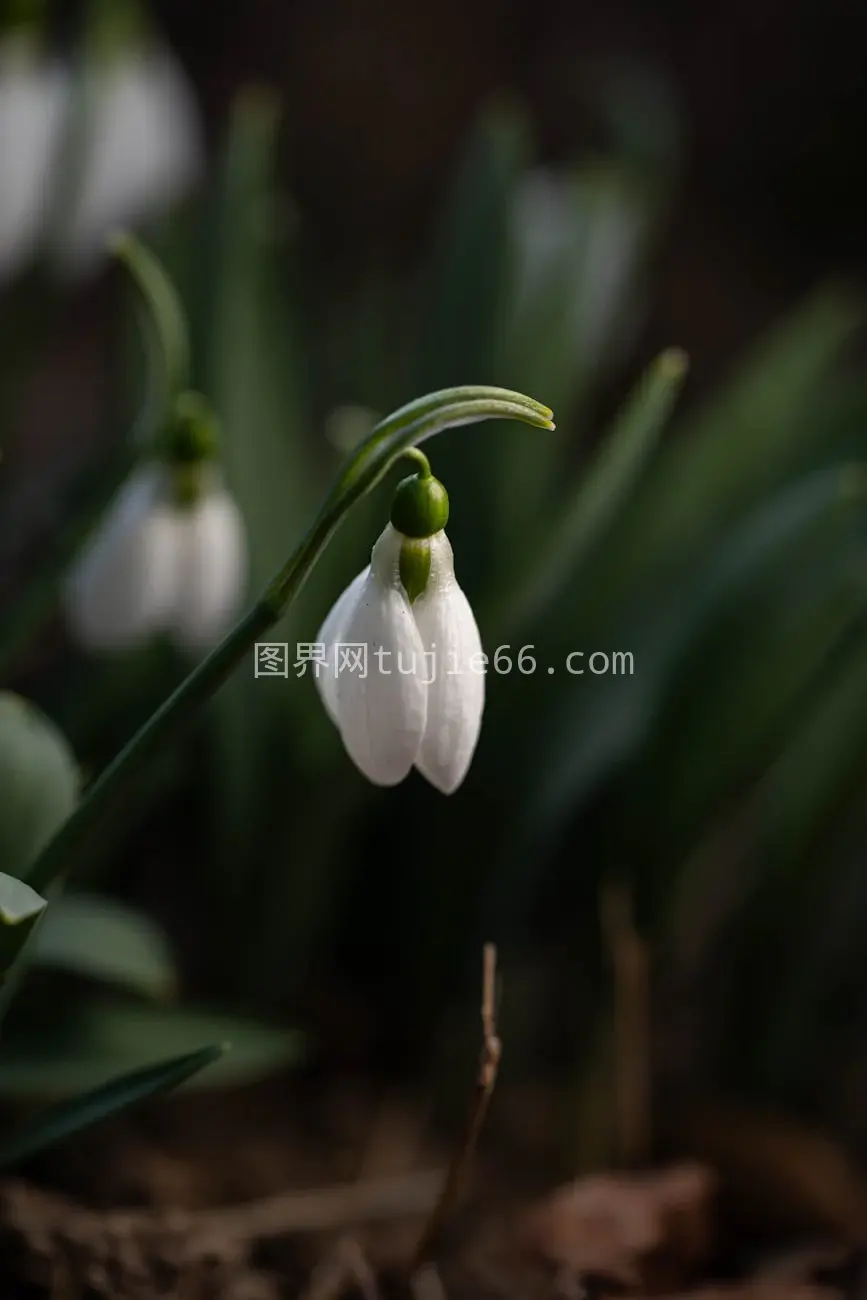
point(673, 363)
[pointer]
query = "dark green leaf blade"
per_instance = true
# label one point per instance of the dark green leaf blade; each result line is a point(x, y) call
point(105, 939)
point(72, 1116)
point(20, 910)
point(39, 780)
point(601, 493)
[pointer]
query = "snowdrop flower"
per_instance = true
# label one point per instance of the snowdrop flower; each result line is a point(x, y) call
point(33, 94)
point(141, 149)
point(170, 557)
point(420, 702)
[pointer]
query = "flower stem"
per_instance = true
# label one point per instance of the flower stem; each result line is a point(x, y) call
point(413, 453)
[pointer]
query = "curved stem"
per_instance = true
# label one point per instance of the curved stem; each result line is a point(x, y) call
point(166, 320)
point(371, 461)
point(413, 453)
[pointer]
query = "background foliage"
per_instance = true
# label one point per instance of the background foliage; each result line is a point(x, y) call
point(719, 539)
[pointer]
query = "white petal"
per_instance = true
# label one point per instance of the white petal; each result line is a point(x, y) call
point(211, 570)
point(330, 632)
point(382, 715)
point(122, 588)
point(456, 696)
point(32, 100)
point(143, 150)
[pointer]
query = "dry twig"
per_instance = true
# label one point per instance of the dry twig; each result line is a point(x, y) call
point(487, 1076)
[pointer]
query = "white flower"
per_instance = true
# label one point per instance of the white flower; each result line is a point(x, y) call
point(157, 566)
point(420, 703)
point(33, 96)
point(141, 150)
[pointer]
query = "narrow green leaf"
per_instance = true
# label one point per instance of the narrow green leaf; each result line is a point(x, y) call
point(104, 939)
point(73, 1047)
point(470, 275)
point(766, 424)
point(592, 730)
point(251, 365)
point(20, 909)
point(421, 419)
point(65, 1118)
point(18, 902)
point(464, 303)
point(739, 699)
point(802, 798)
point(39, 781)
point(581, 239)
point(599, 495)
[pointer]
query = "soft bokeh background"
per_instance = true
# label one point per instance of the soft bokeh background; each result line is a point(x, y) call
point(361, 202)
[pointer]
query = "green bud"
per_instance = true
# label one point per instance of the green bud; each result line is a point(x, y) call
point(414, 565)
point(420, 506)
point(192, 433)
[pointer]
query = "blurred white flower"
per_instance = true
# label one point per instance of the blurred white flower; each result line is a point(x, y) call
point(420, 702)
point(140, 150)
point(156, 565)
point(33, 96)
point(578, 238)
point(143, 151)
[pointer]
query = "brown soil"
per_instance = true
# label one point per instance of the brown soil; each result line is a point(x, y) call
point(246, 1196)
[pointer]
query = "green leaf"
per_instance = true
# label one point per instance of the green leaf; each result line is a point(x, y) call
point(740, 699)
point(252, 361)
point(251, 365)
point(601, 723)
point(800, 796)
point(464, 301)
point(421, 419)
point(580, 241)
point(39, 781)
point(59, 1050)
point(61, 1121)
point(766, 424)
point(470, 274)
point(20, 909)
point(18, 902)
point(104, 939)
point(599, 495)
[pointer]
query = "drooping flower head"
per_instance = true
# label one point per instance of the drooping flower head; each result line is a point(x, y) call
point(109, 140)
point(171, 555)
point(402, 669)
